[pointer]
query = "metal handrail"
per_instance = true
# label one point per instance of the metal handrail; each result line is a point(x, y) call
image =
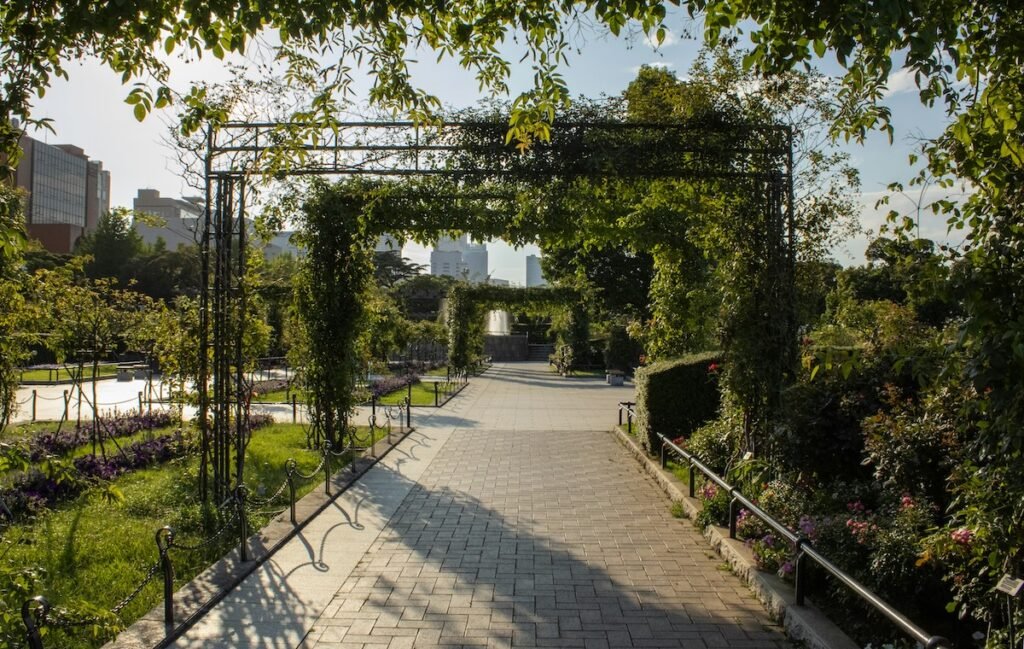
point(803, 546)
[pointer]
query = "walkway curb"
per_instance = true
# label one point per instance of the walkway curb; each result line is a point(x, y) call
point(197, 597)
point(805, 624)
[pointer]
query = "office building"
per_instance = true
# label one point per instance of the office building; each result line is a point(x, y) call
point(534, 274)
point(176, 223)
point(459, 258)
point(67, 192)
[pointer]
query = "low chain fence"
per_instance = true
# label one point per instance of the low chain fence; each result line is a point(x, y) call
point(38, 614)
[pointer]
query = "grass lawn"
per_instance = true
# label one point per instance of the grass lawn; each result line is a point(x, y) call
point(65, 373)
point(91, 553)
point(438, 371)
point(422, 395)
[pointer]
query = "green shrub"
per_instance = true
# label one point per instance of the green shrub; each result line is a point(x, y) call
point(676, 397)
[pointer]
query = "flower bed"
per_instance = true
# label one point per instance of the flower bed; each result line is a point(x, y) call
point(388, 385)
point(59, 443)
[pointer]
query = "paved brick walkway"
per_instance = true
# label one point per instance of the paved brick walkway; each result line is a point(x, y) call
point(539, 539)
point(511, 518)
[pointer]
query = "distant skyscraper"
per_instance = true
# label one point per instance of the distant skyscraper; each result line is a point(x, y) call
point(67, 192)
point(534, 275)
point(459, 258)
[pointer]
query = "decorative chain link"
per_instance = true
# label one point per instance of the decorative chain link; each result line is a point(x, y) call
point(210, 539)
point(138, 589)
point(263, 502)
point(323, 458)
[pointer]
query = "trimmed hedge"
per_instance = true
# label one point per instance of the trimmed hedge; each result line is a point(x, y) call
point(676, 397)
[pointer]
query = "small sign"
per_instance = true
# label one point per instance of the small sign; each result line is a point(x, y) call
point(1009, 585)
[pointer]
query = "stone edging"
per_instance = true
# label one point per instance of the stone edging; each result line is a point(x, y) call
point(804, 624)
point(195, 599)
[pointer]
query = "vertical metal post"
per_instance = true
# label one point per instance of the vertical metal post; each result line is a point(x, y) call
point(243, 526)
point(435, 395)
point(664, 455)
point(33, 405)
point(408, 413)
point(327, 466)
point(67, 403)
point(33, 619)
point(241, 415)
point(620, 414)
point(693, 479)
point(202, 384)
point(629, 421)
point(373, 405)
point(289, 468)
point(140, 402)
point(164, 538)
point(408, 392)
point(732, 518)
point(295, 408)
point(801, 577)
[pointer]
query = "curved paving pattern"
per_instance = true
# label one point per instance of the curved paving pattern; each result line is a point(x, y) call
point(511, 518)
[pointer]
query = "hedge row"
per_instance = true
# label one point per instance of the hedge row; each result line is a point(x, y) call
point(676, 397)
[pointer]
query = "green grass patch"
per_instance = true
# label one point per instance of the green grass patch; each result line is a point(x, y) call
point(89, 553)
point(66, 373)
point(280, 396)
point(438, 371)
point(422, 395)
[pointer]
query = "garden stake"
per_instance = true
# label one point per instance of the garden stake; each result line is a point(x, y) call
point(31, 624)
point(289, 469)
point(243, 548)
point(164, 538)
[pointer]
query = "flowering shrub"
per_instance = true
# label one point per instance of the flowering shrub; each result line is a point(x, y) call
point(389, 384)
point(270, 385)
point(126, 425)
point(716, 506)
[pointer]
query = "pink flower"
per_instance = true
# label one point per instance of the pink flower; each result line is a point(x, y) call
point(860, 530)
point(713, 368)
point(963, 536)
point(906, 502)
point(856, 507)
point(708, 491)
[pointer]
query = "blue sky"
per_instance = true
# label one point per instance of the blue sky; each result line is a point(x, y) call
point(89, 111)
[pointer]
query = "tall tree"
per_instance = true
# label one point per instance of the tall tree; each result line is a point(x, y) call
point(113, 245)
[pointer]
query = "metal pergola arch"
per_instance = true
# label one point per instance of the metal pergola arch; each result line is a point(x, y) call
point(238, 151)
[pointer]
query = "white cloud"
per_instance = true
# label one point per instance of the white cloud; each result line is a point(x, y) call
point(651, 40)
point(899, 82)
point(664, 65)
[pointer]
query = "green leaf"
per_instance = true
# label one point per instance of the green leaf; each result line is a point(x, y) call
point(140, 112)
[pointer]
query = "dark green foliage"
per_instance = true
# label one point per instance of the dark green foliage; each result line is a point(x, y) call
point(675, 397)
point(620, 352)
point(329, 292)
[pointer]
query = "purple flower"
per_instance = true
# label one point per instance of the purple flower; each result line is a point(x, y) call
point(787, 568)
point(807, 526)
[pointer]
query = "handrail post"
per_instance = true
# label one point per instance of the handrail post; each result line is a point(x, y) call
point(620, 414)
point(629, 421)
point(32, 623)
point(801, 575)
point(243, 528)
point(33, 405)
point(664, 455)
point(327, 467)
point(289, 468)
point(693, 479)
point(164, 539)
point(732, 515)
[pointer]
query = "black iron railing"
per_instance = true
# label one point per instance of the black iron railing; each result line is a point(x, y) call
point(804, 550)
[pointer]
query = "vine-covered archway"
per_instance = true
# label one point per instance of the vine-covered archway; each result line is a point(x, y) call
point(605, 180)
point(467, 303)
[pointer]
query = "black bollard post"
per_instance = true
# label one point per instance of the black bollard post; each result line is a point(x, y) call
point(295, 408)
point(164, 539)
point(327, 467)
point(435, 394)
point(243, 527)
point(33, 405)
point(33, 619)
point(289, 468)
